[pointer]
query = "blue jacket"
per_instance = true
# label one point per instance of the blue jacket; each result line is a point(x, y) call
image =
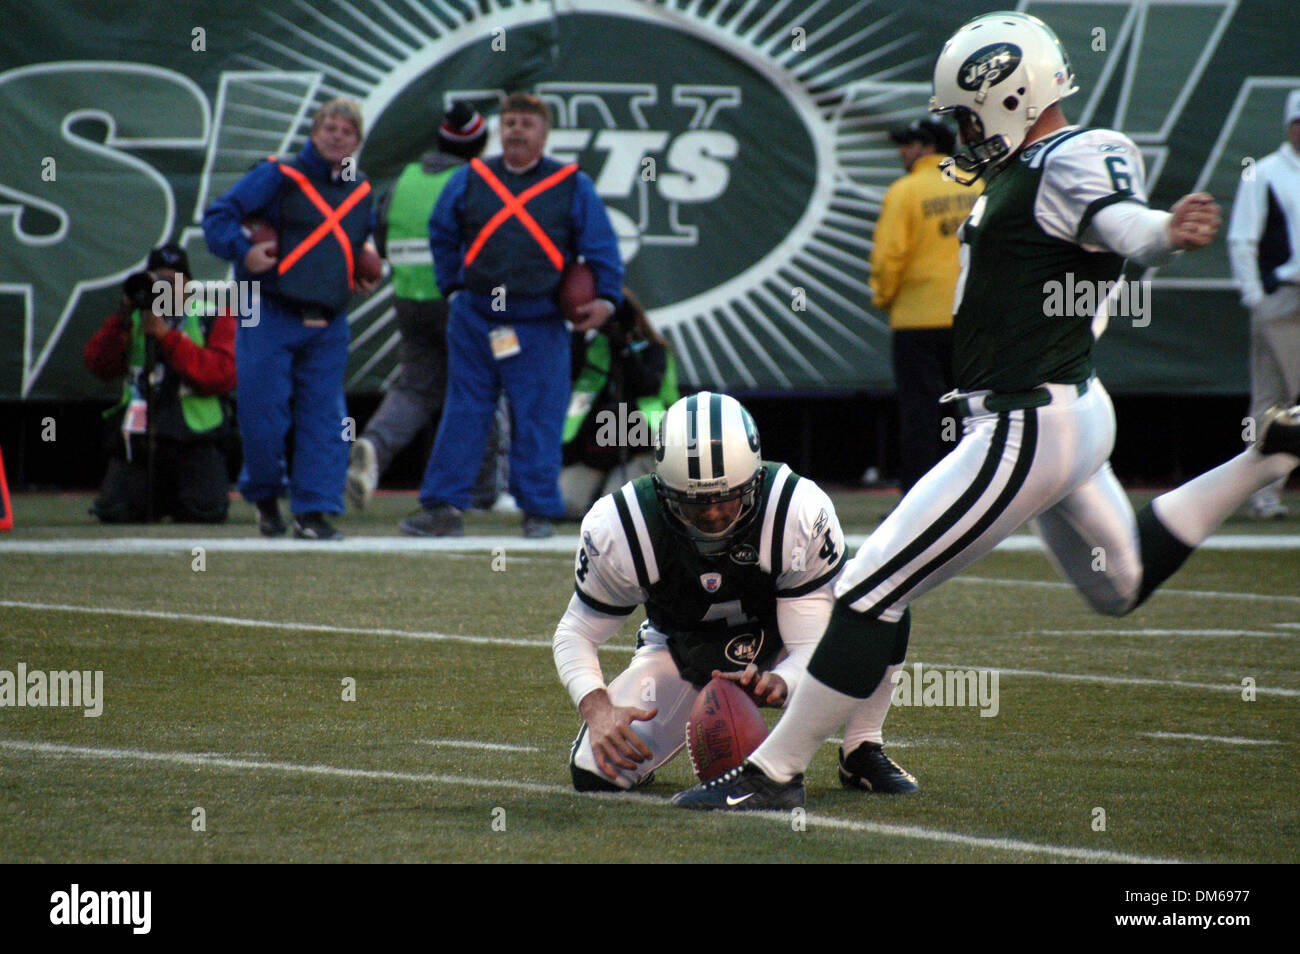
point(256, 194)
point(592, 237)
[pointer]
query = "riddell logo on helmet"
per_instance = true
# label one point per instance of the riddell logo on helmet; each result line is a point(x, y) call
point(706, 486)
point(991, 64)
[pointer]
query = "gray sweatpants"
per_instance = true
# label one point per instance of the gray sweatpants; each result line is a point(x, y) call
point(418, 394)
point(1275, 358)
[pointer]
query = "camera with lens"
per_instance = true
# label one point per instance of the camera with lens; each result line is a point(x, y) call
point(139, 289)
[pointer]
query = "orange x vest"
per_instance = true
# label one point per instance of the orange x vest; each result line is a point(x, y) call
point(516, 227)
point(323, 224)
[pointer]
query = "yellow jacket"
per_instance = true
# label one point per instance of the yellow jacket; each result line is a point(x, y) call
point(914, 263)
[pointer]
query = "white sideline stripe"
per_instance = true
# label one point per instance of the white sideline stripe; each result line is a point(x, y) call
point(511, 544)
point(298, 627)
point(470, 744)
point(1225, 739)
point(1122, 680)
point(783, 818)
point(1272, 634)
point(545, 644)
point(1207, 594)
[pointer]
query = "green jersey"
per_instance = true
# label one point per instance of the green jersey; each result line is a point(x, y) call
point(717, 612)
point(1024, 246)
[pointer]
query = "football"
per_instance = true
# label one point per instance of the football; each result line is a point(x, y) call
point(577, 287)
point(725, 726)
point(259, 230)
point(370, 267)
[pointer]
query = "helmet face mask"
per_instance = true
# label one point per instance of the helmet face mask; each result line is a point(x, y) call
point(997, 75)
point(708, 470)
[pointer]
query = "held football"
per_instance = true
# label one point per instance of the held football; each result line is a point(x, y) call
point(724, 728)
point(577, 287)
point(259, 230)
point(370, 267)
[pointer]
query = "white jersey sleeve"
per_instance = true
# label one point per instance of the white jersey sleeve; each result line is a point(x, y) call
point(813, 554)
point(580, 633)
point(605, 575)
point(605, 592)
point(1082, 175)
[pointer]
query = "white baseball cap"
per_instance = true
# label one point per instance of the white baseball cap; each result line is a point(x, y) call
point(1292, 108)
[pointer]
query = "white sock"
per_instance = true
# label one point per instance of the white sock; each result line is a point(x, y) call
point(1193, 511)
point(867, 722)
point(815, 711)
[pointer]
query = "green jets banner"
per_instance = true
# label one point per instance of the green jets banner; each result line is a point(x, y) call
point(741, 148)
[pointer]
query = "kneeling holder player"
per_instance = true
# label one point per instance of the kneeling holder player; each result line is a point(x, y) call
point(734, 559)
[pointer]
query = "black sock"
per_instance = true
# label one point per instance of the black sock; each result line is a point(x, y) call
point(857, 649)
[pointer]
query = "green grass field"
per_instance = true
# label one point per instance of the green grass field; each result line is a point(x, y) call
point(223, 690)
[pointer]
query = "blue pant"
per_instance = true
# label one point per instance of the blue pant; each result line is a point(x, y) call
point(292, 374)
point(536, 382)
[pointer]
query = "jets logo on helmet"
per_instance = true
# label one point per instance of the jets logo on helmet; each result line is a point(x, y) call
point(1020, 56)
point(990, 65)
point(708, 469)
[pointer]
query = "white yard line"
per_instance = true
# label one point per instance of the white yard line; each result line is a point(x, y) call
point(512, 544)
point(1224, 633)
point(471, 744)
point(1225, 739)
point(545, 644)
point(294, 627)
point(1204, 594)
point(813, 819)
point(1124, 680)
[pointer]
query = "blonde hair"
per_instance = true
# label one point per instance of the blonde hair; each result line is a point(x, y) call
point(348, 109)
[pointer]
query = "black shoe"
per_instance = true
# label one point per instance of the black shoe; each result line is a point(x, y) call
point(744, 789)
point(1280, 431)
point(869, 769)
point(314, 526)
point(443, 520)
point(537, 528)
point(269, 521)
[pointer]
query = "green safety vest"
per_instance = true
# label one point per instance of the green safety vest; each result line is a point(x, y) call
point(593, 379)
point(202, 413)
point(414, 197)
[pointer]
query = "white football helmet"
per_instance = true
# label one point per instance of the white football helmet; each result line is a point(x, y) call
point(996, 75)
point(707, 453)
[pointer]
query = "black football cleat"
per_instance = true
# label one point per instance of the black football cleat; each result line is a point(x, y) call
point(869, 769)
point(743, 789)
point(314, 526)
point(1280, 431)
point(269, 521)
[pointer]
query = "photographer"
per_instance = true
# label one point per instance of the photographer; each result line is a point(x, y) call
point(165, 434)
point(624, 379)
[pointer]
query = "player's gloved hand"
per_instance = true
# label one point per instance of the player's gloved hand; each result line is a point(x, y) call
point(766, 689)
point(613, 741)
point(1194, 220)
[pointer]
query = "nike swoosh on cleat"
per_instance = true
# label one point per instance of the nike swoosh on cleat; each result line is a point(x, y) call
point(732, 801)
